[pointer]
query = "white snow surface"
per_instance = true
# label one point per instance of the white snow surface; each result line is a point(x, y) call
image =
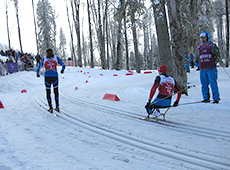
point(100, 134)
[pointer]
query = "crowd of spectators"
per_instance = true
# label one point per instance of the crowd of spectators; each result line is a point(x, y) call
point(14, 56)
point(25, 60)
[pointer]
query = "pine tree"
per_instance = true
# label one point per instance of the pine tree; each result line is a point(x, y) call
point(46, 26)
point(62, 45)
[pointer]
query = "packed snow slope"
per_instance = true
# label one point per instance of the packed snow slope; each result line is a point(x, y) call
point(100, 134)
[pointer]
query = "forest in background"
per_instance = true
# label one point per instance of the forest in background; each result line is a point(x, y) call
point(130, 34)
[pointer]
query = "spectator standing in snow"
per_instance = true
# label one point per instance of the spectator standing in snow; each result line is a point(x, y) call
point(191, 60)
point(197, 62)
point(38, 58)
point(209, 56)
point(166, 86)
point(50, 62)
point(186, 62)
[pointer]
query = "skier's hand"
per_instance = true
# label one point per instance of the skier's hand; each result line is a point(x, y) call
point(38, 75)
point(62, 71)
point(148, 104)
point(175, 104)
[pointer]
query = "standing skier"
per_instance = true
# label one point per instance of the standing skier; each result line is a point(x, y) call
point(50, 62)
point(166, 86)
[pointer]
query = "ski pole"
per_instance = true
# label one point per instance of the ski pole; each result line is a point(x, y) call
point(192, 102)
point(174, 94)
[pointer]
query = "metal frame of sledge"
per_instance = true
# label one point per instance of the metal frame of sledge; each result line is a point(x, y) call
point(161, 107)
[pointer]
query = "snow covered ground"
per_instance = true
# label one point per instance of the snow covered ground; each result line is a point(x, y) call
point(105, 135)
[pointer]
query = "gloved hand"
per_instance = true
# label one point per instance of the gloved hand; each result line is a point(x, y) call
point(62, 71)
point(148, 104)
point(175, 104)
point(38, 75)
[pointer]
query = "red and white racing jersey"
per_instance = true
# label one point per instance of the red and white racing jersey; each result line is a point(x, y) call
point(50, 63)
point(166, 85)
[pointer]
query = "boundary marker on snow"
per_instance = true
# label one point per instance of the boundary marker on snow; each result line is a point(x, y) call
point(112, 97)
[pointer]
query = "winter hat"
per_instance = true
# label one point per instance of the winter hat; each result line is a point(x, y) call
point(49, 50)
point(162, 69)
point(203, 34)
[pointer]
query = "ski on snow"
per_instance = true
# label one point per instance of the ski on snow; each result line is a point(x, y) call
point(48, 110)
point(156, 120)
point(152, 120)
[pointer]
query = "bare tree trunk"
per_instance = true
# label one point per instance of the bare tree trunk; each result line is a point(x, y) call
point(74, 20)
point(107, 33)
point(7, 24)
point(220, 36)
point(113, 33)
point(119, 52)
point(227, 34)
point(73, 56)
point(77, 27)
point(35, 27)
point(101, 39)
point(126, 43)
point(179, 72)
point(19, 32)
point(146, 47)
point(135, 40)
point(163, 35)
point(84, 49)
point(195, 26)
point(90, 37)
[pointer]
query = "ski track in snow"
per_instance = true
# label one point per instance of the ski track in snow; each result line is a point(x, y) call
point(114, 134)
point(99, 134)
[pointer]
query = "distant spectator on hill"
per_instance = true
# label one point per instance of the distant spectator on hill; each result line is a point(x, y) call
point(38, 58)
point(3, 53)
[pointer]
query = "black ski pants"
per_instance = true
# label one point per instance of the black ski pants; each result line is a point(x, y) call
point(48, 82)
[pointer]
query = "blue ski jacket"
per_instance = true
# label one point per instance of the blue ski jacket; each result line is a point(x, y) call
point(51, 66)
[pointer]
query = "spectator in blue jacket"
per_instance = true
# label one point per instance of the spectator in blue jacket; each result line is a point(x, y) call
point(209, 56)
point(197, 62)
point(191, 60)
point(186, 58)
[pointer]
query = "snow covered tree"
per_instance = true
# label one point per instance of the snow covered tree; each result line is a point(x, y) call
point(72, 50)
point(46, 26)
point(90, 36)
point(219, 12)
point(101, 37)
point(135, 8)
point(197, 16)
point(119, 16)
point(76, 19)
point(62, 45)
point(165, 56)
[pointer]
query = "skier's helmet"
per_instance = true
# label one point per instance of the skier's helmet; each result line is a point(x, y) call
point(162, 69)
